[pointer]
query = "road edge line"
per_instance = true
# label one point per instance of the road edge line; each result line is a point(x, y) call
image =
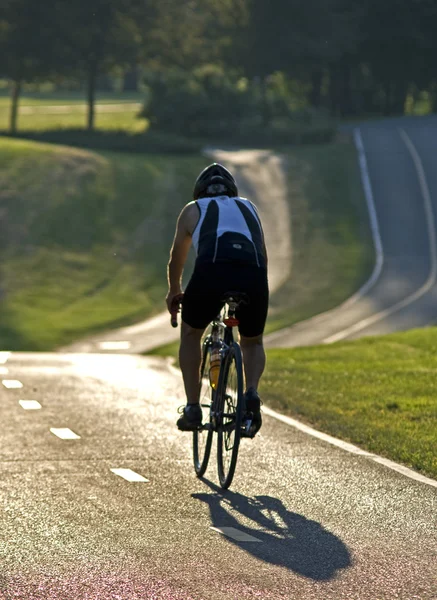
point(373, 218)
point(325, 437)
point(430, 223)
point(377, 244)
point(394, 466)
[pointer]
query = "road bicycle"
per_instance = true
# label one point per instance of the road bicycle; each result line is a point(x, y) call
point(221, 394)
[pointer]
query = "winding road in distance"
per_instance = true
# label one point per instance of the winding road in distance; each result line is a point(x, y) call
point(398, 162)
point(99, 500)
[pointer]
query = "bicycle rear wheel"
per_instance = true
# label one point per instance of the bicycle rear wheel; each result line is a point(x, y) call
point(202, 438)
point(230, 410)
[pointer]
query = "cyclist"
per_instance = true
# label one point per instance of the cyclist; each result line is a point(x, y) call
point(227, 235)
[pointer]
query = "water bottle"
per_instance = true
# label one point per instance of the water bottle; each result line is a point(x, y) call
point(214, 368)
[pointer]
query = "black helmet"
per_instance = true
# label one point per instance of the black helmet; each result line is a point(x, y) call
point(215, 180)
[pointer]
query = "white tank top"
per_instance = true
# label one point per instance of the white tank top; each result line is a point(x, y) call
point(229, 230)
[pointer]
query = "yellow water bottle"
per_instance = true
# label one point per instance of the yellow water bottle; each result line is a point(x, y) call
point(214, 368)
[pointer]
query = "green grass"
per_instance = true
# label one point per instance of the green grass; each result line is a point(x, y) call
point(64, 97)
point(332, 246)
point(379, 393)
point(170, 350)
point(126, 120)
point(88, 236)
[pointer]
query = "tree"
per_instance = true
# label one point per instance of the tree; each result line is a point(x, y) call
point(309, 40)
point(423, 49)
point(28, 35)
point(97, 35)
point(390, 51)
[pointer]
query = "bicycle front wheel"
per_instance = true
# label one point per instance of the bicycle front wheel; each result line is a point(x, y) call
point(230, 409)
point(202, 438)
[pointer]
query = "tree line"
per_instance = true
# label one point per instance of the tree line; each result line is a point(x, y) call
point(346, 57)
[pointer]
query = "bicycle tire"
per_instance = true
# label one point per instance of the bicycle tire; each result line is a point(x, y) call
point(202, 438)
point(230, 409)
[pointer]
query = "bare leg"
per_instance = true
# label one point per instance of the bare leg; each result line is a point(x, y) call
point(254, 359)
point(190, 356)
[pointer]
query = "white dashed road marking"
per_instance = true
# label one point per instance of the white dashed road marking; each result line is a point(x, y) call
point(12, 384)
point(114, 345)
point(129, 475)
point(30, 404)
point(64, 433)
point(236, 534)
point(4, 357)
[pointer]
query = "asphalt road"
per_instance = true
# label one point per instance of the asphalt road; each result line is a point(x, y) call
point(401, 166)
point(324, 524)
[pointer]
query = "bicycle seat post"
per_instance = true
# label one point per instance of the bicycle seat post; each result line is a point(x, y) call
point(232, 304)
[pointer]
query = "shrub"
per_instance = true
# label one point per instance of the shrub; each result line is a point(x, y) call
point(202, 104)
point(216, 106)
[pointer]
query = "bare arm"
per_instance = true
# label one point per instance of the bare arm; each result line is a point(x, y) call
point(179, 251)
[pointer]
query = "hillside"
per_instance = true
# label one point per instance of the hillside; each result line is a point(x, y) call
point(84, 239)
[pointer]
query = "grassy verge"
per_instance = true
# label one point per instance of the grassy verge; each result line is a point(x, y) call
point(167, 350)
point(40, 112)
point(28, 98)
point(332, 246)
point(125, 120)
point(378, 393)
point(85, 238)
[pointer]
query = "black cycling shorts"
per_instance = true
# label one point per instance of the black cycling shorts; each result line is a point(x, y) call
point(209, 282)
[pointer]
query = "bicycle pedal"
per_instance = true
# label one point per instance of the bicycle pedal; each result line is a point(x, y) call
point(246, 425)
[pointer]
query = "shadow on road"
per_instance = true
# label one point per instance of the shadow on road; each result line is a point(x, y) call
point(288, 539)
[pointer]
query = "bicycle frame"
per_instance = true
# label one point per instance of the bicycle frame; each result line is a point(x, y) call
point(225, 324)
point(222, 333)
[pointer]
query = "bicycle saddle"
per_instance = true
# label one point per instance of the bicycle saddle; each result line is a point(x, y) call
point(238, 297)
